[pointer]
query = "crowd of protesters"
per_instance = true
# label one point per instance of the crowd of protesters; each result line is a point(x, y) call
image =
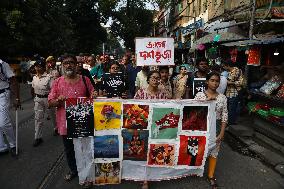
point(55, 80)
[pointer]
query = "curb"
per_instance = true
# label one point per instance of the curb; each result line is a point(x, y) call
point(265, 155)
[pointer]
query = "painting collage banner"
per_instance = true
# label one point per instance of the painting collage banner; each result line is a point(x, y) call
point(172, 134)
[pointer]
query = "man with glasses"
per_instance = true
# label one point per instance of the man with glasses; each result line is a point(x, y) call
point(70, 85)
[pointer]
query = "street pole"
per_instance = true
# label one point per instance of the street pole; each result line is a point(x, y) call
point(251, 23)
point(103, 48)
point(251, 26)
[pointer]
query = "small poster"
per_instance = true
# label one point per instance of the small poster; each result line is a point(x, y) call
point(195, 118)
point(108, 173)
point(165, 123)
point(107, 115)
point(113, 84)
point(199, 85)
point(79, 117)
point(135, 116)
point(191, 150)
point(135, 144)
point(161, 155)
point(106, 146)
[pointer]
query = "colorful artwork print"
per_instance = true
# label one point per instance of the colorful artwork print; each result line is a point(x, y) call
point(165, 123)
point(107, 115)
point(161, 155)
point(191, 150)
point(79, 117)
point(195, 118)
point(135, 116)
point(107, 173)
point(135, 144)
point(106, 146)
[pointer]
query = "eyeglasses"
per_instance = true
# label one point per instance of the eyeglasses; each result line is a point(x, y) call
point(114, 68)
point(72, 63)
point(155, 78)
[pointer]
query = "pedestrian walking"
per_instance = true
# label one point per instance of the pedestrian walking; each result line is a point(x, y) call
point(131, 72)
point(179, 83)
point(70, 85)
point(196, 81)
point(54, 72)
point(212, 82)
point(151, 92)
point(41, 86)
point(141, 79)
point(165, 84)
point(234, 85)
point(8, 85)
point(113, 83)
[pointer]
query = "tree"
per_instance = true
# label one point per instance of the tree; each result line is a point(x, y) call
point(131, 19)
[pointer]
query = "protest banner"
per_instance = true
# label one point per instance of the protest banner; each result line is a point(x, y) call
point(154, 51)
point(168, 140)
point(198, 85)
point(113, 84)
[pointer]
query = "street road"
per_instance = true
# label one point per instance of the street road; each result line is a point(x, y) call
point(44, 166)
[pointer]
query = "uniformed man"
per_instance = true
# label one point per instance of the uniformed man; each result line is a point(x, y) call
point(54, 73)
point(41, 86)
point(7, 82)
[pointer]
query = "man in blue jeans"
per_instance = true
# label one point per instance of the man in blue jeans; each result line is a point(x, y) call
point(233, 87)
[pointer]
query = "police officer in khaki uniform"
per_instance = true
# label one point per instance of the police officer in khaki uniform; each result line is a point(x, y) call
point(41, 86)
point(54, 73)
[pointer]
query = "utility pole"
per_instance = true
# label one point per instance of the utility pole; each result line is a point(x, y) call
point(251, 23)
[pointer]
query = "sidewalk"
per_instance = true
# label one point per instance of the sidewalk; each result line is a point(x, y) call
point(33, 164)
point(268, 151)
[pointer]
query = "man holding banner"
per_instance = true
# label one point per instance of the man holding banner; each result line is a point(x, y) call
point(70, 85)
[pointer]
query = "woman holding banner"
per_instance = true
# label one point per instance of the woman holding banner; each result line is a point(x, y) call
point(151, 92)
point(213, 81)
point(113, 83)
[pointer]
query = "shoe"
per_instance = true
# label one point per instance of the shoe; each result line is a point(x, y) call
point(13, 152)
point(70, 176)
point(55, 132)
point(4, 152)
point(212, 182)
point(37, 142)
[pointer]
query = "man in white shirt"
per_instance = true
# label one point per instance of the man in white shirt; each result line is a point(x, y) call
point(7, 79)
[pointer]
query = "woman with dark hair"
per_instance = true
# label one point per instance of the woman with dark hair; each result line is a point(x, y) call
point(152, 91)
point(213, 81)
point(180, 83)
point(113, 83)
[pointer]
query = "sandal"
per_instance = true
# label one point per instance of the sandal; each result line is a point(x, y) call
point(69, 176)
point(145, 185)
point(213, 182)
point(87, 185)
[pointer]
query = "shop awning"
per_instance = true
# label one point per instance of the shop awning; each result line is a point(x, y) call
point(220, 37)
point(257, 41)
